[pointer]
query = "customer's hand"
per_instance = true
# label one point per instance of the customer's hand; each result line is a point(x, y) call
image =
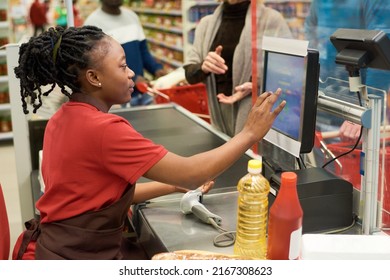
point(261, 116)
point(214, 63)
point(349, 131)
point(239, 93)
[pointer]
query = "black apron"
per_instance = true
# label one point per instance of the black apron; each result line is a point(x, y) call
point(96, 235)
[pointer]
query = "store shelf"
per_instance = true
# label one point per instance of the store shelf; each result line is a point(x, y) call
point(294, 12)
point(172, 62)
point(3, 79)
point(4, 24)
point(163, 20)
point(6, 136)
point(193, 11)
point(157, 12)
point(290, 1)
point(165, 45)
point(163, 28)
point(168, 26)
point(5, 108)
point(201, 3)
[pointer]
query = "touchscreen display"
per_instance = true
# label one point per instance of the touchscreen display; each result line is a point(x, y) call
point(287, 72)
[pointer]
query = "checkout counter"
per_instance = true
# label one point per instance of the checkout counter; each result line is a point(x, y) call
point(160, 224)
point(162, 227)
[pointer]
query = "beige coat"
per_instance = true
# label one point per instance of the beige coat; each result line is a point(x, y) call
point(230, 119)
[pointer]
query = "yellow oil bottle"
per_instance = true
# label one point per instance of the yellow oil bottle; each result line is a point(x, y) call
point(252, 215)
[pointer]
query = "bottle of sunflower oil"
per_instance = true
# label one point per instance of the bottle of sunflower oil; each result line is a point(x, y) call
point(253, 189)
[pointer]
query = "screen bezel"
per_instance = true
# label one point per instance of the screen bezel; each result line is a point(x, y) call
point(308, 109)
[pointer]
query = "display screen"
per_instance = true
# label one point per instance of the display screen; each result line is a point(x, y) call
point(294, 128)
point(287, 72)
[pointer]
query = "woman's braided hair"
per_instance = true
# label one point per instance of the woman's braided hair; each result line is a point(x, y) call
point(55, 57)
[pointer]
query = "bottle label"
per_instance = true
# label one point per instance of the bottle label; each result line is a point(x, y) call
point(295, 244)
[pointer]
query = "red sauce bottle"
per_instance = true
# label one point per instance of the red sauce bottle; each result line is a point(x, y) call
point(285, 221)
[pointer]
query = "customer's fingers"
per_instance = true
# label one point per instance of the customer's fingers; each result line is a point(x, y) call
point(215, 68)
point(218, 50)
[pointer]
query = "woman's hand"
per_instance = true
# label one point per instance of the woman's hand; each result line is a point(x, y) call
point(239, 93)
point(349, 131)
point(150, 190)
point(214, 63)
point(261, 116)
point(205, 188)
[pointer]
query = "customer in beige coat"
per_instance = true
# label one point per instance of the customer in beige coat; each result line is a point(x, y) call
point(221, 57)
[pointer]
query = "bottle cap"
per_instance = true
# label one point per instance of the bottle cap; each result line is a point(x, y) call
point(289, 178)
point(254, 166)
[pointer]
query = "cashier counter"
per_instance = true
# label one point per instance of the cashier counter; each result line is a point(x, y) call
point(161, 226)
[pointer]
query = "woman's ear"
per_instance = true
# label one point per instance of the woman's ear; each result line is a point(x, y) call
point(92, 78)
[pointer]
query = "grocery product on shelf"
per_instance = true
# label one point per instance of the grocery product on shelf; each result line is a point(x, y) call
point(168, 26)
point(294, 11)
point(5, 107)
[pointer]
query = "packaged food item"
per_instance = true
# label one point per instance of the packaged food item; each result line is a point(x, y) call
point(195, 255)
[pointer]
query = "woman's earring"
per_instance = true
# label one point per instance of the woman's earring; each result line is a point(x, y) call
point(99, 84)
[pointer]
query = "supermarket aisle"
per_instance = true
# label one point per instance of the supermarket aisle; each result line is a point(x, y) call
point(8, 181)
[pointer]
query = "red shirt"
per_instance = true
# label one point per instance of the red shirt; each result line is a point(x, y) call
point(38, 14)
point(89, 157)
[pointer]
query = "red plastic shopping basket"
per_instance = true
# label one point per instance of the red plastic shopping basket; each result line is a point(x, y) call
point(350, 163)
point(350, 171)
point(191, 97)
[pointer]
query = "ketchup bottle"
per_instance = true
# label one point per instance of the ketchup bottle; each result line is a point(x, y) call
point(285, 221)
